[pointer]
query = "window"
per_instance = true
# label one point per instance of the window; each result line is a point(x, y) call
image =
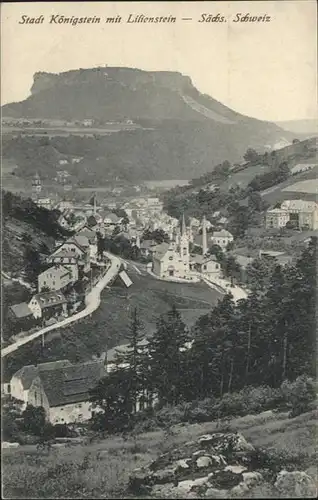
point(204, 267)
point(44, 282)
point(171, 257)
point(35, 398)
point(217, 266)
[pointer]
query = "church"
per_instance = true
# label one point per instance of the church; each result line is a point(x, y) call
point(173, 260)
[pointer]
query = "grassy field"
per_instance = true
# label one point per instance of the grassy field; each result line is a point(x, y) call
point(102, 470)
point(308, 186)
point(152, 298)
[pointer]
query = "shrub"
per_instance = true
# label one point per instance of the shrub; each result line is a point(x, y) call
point(299, 394)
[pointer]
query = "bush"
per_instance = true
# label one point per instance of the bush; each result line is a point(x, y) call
point(299, 394)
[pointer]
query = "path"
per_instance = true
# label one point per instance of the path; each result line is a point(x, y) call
point(218, 283)
point(92, 302)
point(18, 280)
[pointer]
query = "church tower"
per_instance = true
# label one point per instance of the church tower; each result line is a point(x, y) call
point(184, 243)
point(204, 237)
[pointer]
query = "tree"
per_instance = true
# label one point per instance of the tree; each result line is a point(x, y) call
point(166, 349)
point(113, 399)
point(217, 251)
point(100, 246)
point(157, 235)
point(251, 155)
point(135, 360)
point(33, 263)
point(34, 420)
point(255, 201)
point(11, 415)
point(258, 273)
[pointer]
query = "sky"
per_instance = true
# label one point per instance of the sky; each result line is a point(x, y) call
point(266, 70)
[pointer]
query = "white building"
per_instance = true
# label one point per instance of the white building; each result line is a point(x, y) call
point(305, 213)
point(48, 304)
point(173, 260)
point(276, 218)
point(221, 238)
point(54, 278)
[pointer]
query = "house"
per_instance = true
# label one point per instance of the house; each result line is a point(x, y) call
point(21, 317)
point(47, 305)
point(56, 277)
point(207, 265)
point(67, 260)
point(73, 248)
point(276, 218)
point(44, 203)
point(221, 238)
point(223, 221)
point(111, 219)
point(81, 240)
point(60, 387)
point(146, 247)
point(305, 213)
point(89, 234)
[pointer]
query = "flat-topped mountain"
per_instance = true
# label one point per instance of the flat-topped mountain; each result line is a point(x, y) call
point(183, 129)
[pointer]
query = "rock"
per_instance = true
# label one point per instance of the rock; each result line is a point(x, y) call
point(236, 469)
point(225, 479)
point(183, 463)
point(203, 462)
point(191, 485)
point(214, 493)
point(296, 484)
point(214, 462)
point(250, 479)
point(163, 476)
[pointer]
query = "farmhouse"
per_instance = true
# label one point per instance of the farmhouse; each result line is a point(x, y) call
point(61, 388)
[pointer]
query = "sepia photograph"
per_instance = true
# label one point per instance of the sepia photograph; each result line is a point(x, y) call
point(159, 230)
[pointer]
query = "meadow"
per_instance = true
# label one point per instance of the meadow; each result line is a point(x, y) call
point(102, 469)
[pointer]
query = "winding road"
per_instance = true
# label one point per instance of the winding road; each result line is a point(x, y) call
point(92, 302)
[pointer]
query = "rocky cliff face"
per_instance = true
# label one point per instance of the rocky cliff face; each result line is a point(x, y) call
point(131, 78)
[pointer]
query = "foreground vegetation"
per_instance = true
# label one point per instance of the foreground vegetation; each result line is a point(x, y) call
point(102, 469)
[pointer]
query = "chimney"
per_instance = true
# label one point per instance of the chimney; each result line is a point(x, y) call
point(204, 238)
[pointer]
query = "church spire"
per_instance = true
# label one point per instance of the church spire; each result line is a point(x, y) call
point(183, 226)
point(204, 237)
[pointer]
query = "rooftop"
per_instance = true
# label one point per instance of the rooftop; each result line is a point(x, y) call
point(27, 374)
point(59, 271)
point(21, 310)
point(222, 234)
point(49, 299)
point(71, 384)
point(301, 205)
